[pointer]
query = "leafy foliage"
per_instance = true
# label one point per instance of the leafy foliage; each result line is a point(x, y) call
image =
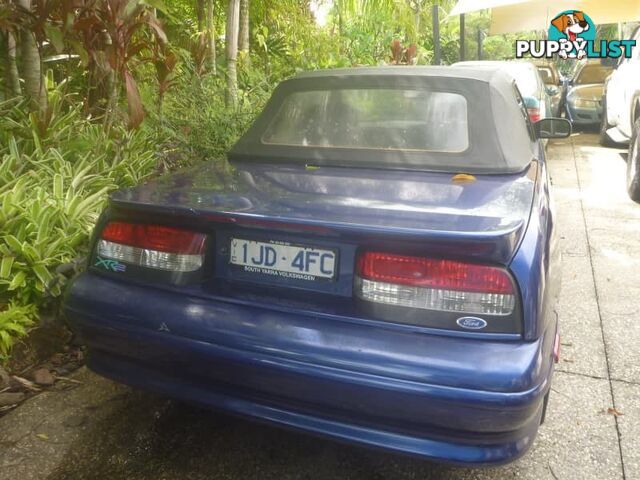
point(54, 179)
point(14, 322)
point(196, 125)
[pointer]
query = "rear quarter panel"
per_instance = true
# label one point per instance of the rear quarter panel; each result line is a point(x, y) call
point(536, 264)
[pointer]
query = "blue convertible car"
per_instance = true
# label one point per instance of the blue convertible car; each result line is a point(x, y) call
point(378, 266)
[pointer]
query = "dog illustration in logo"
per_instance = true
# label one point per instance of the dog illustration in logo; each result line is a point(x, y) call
point(571, 24)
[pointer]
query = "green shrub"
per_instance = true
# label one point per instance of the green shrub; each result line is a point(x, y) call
point(195, 123)
point(54, 180)
point(14, 322)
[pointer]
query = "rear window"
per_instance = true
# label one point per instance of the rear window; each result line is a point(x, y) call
point(592, 74)
point(381, 119)
point(547, 75)
point(414, 118)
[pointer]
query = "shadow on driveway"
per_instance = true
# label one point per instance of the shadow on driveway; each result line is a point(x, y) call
point(149, 437)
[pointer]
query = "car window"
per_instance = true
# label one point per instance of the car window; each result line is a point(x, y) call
point(547, 75)
point(387, 119)
point(523, 111)
point(591, 74)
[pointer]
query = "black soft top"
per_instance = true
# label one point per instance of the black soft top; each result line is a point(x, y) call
point(480, 73)
point(499, 140)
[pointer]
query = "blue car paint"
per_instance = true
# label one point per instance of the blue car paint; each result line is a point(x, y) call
point(427, 206)
point(395, 380)
point(312, 362)
point(536, 266)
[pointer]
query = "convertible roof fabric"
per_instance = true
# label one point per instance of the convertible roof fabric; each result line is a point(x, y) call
point(499, 140)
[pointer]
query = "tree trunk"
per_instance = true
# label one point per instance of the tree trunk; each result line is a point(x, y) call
point(111, 110)
point(211, 39)
point(243, 37)
point(100, 86)
point(416, 8)
point(231, 40)
point(200, 14)
point(12, 78)
point(31, 66)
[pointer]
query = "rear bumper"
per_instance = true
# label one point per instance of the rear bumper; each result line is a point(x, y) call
point(584, 116)
point(309, 382)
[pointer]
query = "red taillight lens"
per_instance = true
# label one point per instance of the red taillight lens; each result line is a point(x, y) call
point(150, 246)
point(434, 284)
point(433, 273)
point(155, 237)
point(534, 114)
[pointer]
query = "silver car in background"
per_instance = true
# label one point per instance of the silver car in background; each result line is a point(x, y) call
point(584, 98)
point(622, 100)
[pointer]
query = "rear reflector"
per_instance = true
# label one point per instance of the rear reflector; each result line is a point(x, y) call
point(434, 284)
point(153, 246)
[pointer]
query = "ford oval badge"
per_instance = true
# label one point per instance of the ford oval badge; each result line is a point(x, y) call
point(471, 323)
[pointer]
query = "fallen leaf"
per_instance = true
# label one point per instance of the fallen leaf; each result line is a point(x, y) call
point(66, 379)
point(26, 383)
point(42, 436)
point(614, 411)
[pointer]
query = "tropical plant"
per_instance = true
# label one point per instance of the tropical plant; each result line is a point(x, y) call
point(14, 322)
point(54, 179)
point(114, 33)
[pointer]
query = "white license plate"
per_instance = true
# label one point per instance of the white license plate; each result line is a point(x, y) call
point(283, 260)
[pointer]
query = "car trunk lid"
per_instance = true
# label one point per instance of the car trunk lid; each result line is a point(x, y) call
point(478, 217)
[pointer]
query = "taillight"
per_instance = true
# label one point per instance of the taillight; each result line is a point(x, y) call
point(434, 284)
point(534, 114)
point(152, 246)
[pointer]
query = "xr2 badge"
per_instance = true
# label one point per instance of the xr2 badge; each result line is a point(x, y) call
point(111, 265)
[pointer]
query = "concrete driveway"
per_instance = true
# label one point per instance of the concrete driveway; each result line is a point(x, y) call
point(93, 428)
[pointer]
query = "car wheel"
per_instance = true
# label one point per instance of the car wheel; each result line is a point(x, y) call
point(633, 164)
point(605, 140)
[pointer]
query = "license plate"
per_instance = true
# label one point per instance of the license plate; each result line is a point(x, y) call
point(283, 259)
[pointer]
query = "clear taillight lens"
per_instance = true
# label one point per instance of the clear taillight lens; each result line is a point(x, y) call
point(434, 284)
point(152, 246)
